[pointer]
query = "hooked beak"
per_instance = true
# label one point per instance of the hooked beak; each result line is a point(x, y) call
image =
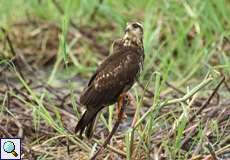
point(127, 30)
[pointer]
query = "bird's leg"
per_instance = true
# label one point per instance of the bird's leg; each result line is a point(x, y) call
point(121, 100)
point(121, 106)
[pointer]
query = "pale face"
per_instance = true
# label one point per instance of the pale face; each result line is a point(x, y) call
point(134, 30)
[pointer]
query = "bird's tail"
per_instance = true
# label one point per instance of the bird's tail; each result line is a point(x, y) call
point(87, 122)
point(91, 126)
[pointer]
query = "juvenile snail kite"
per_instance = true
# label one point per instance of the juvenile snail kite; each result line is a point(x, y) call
point(114, 76)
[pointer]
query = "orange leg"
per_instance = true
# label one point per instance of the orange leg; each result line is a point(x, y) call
point(121, 100)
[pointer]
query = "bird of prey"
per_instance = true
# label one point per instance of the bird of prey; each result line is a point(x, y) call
point(114, 76)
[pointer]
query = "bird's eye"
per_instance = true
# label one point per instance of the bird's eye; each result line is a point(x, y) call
point(135, 25)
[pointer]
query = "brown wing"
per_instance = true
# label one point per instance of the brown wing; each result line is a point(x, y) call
point(117, 51)
point(116, 74)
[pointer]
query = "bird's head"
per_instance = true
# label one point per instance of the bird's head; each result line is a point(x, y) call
point(134, 32)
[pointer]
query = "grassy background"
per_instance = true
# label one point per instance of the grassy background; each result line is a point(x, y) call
point(185, 42)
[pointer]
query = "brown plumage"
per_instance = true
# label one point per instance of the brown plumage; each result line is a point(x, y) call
point(116, 75)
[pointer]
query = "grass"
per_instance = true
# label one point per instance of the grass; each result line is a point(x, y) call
point(186, 45)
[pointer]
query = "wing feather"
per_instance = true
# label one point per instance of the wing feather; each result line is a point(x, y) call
point(114, 76)
point(116, 52)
